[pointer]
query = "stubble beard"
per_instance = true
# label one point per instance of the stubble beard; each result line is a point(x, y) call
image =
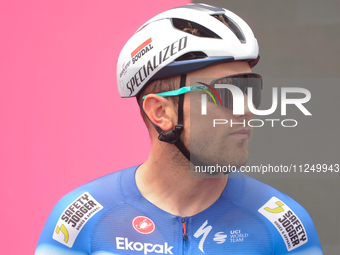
point(227, 151)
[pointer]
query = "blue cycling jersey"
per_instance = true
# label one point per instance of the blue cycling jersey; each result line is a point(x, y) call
point(110, 216)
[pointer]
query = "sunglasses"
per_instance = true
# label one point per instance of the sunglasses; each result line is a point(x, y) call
point(243, 81)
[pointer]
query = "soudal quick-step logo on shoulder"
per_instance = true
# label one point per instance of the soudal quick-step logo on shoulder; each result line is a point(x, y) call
point(74, 218)
point(141, 50)
point(125, 244)
point(143, 225)
point(286, 222)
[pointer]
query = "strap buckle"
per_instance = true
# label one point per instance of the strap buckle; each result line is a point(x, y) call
point(172, 136)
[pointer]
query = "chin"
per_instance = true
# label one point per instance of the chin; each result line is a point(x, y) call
point(226, 160)
point(224, 154)
point(236, 159)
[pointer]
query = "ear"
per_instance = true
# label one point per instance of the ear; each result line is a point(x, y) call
point(161, 112)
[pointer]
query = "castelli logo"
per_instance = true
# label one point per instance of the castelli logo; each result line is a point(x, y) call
point(143, 225)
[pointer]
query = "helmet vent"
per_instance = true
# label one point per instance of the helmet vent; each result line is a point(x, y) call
point(191, 55)
point(193, 28)
point(232, 26)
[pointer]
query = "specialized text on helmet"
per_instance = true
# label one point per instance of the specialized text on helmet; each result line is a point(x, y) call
point(153, 64)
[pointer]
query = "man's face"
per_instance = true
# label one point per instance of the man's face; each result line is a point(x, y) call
point(223, 144)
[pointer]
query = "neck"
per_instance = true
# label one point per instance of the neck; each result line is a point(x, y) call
point(164, 179)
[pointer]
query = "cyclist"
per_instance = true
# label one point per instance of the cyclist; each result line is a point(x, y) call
point(172, 65)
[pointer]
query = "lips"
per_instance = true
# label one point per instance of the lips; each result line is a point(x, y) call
point(243, 133)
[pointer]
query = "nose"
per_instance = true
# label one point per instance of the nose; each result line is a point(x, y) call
point(247, 113)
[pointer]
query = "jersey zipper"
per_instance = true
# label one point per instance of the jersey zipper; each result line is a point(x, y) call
point(185, 235)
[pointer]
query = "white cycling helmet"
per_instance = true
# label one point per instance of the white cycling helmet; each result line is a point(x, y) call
point(160, 48)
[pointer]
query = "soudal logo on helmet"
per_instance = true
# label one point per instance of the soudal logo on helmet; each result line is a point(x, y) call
point(141, 50)
point(153, 64)
point(143, 225)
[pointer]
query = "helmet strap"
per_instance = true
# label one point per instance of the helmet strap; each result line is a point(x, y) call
point(173, 136)
point(179, 143)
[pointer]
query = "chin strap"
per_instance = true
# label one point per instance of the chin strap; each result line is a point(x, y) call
point(179, 144)
point(173, 136)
